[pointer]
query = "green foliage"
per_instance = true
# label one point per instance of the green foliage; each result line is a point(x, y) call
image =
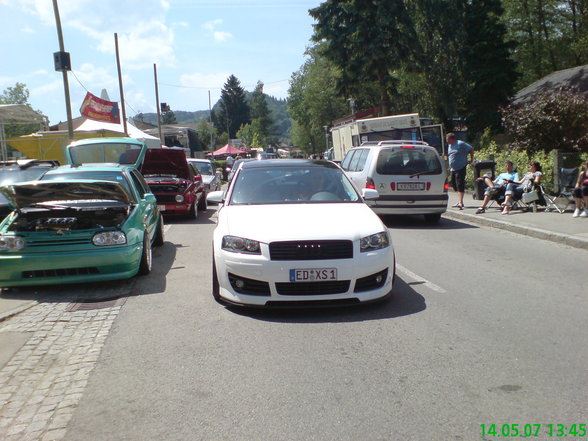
point(520, 159)
point(19, 94)
point(314, 102)
point(205, 132)
point(550, 34)
point(489, 72)
point(366, 40)
point(556, 119)
point(260, 114)
point(168, 117)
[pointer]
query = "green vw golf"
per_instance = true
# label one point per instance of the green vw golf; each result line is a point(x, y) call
point(92, 220)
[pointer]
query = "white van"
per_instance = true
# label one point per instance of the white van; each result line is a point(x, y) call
point(410, 177)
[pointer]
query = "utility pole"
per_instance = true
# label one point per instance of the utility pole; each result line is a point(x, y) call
point(63, 64)
point(120, 86)
point(157, 100)
point(210, 121)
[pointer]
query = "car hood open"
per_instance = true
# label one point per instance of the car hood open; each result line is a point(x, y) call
point(124, 151)
point(170, 162)
point(24, 194)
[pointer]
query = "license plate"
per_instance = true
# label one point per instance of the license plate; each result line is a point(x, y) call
point(410, 186)
point(161, 207)
point(313, 275)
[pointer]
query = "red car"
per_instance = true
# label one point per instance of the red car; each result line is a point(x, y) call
point(176, 184)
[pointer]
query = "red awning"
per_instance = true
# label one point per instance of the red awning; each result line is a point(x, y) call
point(228, 149)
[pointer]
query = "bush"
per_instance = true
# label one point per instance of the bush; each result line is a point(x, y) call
point(557, 119)
point(520, 160)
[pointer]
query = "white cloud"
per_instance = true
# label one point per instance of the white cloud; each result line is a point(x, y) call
point(47, 89)
point(222, 35)
point(210, 27)
point(28, 30)
point(203, 81)
point(145, 41)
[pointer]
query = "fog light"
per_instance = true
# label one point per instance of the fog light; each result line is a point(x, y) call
point(239, 283)
point(179, 198)
point(379, 278)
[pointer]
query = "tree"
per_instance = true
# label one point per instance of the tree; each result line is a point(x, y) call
point(168, 117)
point(557, 119)
point(367, 40)
point(19, 94)
point(260, 113)
point(314, 101)
point(206, 132)
point(233, 110)
point(489, 72)
point(550, 35)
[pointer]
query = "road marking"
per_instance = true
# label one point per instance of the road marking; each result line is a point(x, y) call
point(166, 228)
point(419, 279)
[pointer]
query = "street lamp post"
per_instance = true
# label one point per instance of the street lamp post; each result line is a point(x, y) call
point(326, 138)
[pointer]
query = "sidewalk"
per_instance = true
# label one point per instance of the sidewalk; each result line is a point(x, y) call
point(552, 226)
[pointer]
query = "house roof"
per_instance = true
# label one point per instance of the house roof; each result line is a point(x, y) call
point(576, 77)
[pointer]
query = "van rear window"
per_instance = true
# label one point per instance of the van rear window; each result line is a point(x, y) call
point(410, 161)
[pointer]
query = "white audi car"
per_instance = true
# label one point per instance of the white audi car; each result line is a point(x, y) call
point(297, 233)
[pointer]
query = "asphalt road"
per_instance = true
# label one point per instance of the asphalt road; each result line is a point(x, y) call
point(485, 327)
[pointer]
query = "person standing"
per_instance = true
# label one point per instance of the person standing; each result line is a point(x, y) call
point(581, 193)
point(458, 152)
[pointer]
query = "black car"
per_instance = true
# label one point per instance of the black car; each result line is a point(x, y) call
point(20, 171)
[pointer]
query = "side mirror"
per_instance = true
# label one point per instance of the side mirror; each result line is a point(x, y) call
point(150, 197)
point(369, 193)
point(217, 197)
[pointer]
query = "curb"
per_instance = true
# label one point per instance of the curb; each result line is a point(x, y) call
point(573, 241)
point(15, 311)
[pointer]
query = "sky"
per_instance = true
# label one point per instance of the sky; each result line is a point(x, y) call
point(196, 45)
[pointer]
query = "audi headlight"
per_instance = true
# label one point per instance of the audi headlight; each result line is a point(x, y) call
point(109, 238)
point(374, 242)
point(11, 243)
point(240, 245)
point(179, 198)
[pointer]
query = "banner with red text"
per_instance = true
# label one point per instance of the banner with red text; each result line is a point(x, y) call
point(99, 109)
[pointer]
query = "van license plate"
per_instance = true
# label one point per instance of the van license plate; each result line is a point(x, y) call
point(313, 275)
point(411, 186)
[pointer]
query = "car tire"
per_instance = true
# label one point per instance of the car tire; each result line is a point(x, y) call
point(432, 218)
point(215, 284)
point(146, 256)
point(193, 213)
point(159, 234)
point(203, 204)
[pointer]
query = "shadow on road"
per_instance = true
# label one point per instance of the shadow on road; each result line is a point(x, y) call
point(417, 223)
point(155, 282)
point(204, 217)
point(404, 301)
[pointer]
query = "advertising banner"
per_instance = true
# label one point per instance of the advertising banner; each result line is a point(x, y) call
point(99, 109)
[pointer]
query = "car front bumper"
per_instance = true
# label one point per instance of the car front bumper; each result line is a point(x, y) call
point(108, 263)
point(271, 280)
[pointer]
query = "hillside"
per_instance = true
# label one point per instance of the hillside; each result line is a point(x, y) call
point(277, 108)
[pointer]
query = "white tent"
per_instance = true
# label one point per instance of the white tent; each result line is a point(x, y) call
point(17, 114)
point(94, 126)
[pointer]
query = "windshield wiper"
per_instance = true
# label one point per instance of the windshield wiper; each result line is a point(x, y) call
point(420, 173)
point(50, 206)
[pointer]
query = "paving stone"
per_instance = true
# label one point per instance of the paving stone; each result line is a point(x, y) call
point(54, 435)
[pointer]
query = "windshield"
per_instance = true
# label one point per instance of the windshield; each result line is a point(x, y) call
point(11, 175)
point(118, 153)
point(204, 168)
point(408, 161)
point(97, 175)
point(292, 185)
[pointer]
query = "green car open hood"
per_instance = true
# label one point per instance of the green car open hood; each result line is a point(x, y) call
point(124, 151)
point(25, 194)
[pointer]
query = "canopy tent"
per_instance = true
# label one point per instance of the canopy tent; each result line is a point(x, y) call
point(51, 145)
point(17, 114)
point(95, 126)
point(228, 149)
